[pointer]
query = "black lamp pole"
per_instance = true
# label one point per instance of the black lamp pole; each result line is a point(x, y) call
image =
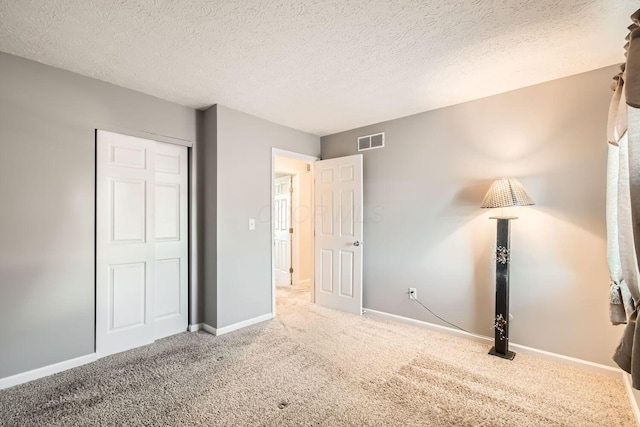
point(501, 325)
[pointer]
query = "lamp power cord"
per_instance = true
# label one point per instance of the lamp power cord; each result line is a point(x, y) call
point(447, 322)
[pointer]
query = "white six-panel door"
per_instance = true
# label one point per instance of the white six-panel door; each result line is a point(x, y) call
point(171, 228)
point(141, 241)
point(125, 252)
point(281, 226)
point(338, 233)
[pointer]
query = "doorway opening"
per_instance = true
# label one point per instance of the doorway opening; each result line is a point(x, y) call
point(292, 225)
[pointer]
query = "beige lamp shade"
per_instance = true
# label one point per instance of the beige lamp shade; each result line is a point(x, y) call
point(506, 192)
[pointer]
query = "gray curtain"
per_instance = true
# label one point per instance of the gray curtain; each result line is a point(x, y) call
point(623, 203)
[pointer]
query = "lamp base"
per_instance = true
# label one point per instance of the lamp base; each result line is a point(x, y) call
point(508, 355)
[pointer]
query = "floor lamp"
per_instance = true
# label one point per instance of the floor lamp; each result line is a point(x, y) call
point(504, 192)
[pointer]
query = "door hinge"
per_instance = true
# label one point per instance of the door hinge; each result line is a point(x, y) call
point(291, 270)
point(290, 189)
point(291, 231)
point(308, 167)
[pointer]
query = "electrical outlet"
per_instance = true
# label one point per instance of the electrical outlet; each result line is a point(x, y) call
point(413, 293)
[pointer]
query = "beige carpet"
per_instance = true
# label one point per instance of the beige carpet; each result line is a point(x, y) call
point(316, 367)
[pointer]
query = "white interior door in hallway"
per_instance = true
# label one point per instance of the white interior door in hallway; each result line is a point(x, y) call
point(141, 241)
point(282, 230)
point(338, 233)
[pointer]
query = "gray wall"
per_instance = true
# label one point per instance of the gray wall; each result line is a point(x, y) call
point(196, 223)
point(208, 169)
point(244, 145)
point(47, 156)
point(424, 228)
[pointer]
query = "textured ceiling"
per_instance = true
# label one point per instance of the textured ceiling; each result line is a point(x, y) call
point(321, 66)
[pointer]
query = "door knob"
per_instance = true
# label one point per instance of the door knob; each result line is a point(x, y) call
point(356, 243)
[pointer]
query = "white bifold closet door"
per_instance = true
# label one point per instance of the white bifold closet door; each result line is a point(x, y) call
point(141, 241)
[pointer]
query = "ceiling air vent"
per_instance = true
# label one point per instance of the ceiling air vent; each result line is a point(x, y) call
point(369, 142)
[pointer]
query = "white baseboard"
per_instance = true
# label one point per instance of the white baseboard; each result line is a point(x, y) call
point(586, 365)
point(236, 326)
point(626, 379)
point(559, 358)
point(195, 327)
point(209, 329)
point(304, 282)
point(45, 371)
